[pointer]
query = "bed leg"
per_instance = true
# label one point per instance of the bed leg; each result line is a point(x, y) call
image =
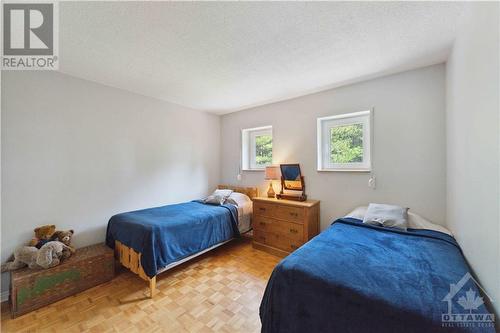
point(152, 287)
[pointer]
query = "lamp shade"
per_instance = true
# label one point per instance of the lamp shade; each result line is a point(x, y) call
point(273, 172)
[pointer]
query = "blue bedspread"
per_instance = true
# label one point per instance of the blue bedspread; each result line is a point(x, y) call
point(170, 233)
point(359, 278)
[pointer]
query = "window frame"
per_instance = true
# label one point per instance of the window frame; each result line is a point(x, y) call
point(324, 126)
point(248, 148)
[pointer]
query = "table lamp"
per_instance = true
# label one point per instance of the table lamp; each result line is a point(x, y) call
point(272, 173)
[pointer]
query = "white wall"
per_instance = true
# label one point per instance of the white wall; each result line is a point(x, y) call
point(409, 143)
point(76, 152)
point(473, 212)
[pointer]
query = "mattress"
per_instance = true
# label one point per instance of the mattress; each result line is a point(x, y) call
point(245, 217)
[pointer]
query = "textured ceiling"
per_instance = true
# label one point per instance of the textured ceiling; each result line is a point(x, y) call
point(226, 56)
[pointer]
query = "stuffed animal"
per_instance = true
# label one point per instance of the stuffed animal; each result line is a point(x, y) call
point(52, 253)
point(42, 235)
point(49, 255)
point(63, 237)
point(23, 256)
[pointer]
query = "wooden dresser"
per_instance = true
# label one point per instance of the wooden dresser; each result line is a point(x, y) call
point(281, 226)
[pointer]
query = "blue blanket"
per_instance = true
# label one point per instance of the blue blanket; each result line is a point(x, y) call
point(170, 233)
point(359, 278)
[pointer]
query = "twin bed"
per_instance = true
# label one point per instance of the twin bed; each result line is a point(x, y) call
point(153, 240)
point(353, 277)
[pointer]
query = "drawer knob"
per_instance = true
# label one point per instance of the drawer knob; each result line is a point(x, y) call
point(294, 231)
point(262, 223)
point(294, 247)
point(262, 209)
point(294, 214)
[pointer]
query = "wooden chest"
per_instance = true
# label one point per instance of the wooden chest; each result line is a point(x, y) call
point(33, 289)
point(281, 226)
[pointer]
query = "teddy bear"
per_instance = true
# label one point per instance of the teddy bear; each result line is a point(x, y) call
point(64, 237)
point(52, 253)
point(42, 235)
point(49, 255)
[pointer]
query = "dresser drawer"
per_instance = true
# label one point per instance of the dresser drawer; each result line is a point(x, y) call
point(293, 231)
point(294, 214)
point(277, 240)
point(261, 236)
point(287, 244)
point(263, 223)
point(263, 209)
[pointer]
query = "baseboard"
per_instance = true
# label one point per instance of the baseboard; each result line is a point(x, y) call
point(4, 296)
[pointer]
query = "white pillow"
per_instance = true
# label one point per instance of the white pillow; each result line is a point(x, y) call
point(224, 193)
point(415, 221)
point(358, 213)
point(387, 216)
point(219, 197)
point(238, 199)
point(214, 199)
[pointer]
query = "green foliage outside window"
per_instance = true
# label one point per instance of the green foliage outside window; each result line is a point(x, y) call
point(263, 149)
point(346, 144)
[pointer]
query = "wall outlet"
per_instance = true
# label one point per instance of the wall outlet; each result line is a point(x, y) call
point(239, 177)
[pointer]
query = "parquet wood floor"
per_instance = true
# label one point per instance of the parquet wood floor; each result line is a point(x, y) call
point(219, 291)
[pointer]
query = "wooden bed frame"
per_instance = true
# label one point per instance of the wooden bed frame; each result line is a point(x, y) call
point(131, 259)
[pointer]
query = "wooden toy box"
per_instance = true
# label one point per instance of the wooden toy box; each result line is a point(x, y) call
point(88, 267)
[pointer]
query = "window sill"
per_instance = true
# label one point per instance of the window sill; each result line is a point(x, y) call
point(344, 170)
point(254, 169)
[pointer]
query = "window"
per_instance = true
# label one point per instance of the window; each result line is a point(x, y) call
point(344, 142)
point(257, 147)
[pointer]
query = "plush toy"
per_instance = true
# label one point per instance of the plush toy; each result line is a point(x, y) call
point(52, 253)
point(23, 256)
point(42, 235)
point(63, 237)
point(49, 255)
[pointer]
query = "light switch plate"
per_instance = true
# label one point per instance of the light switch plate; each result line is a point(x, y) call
point(372, 182)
